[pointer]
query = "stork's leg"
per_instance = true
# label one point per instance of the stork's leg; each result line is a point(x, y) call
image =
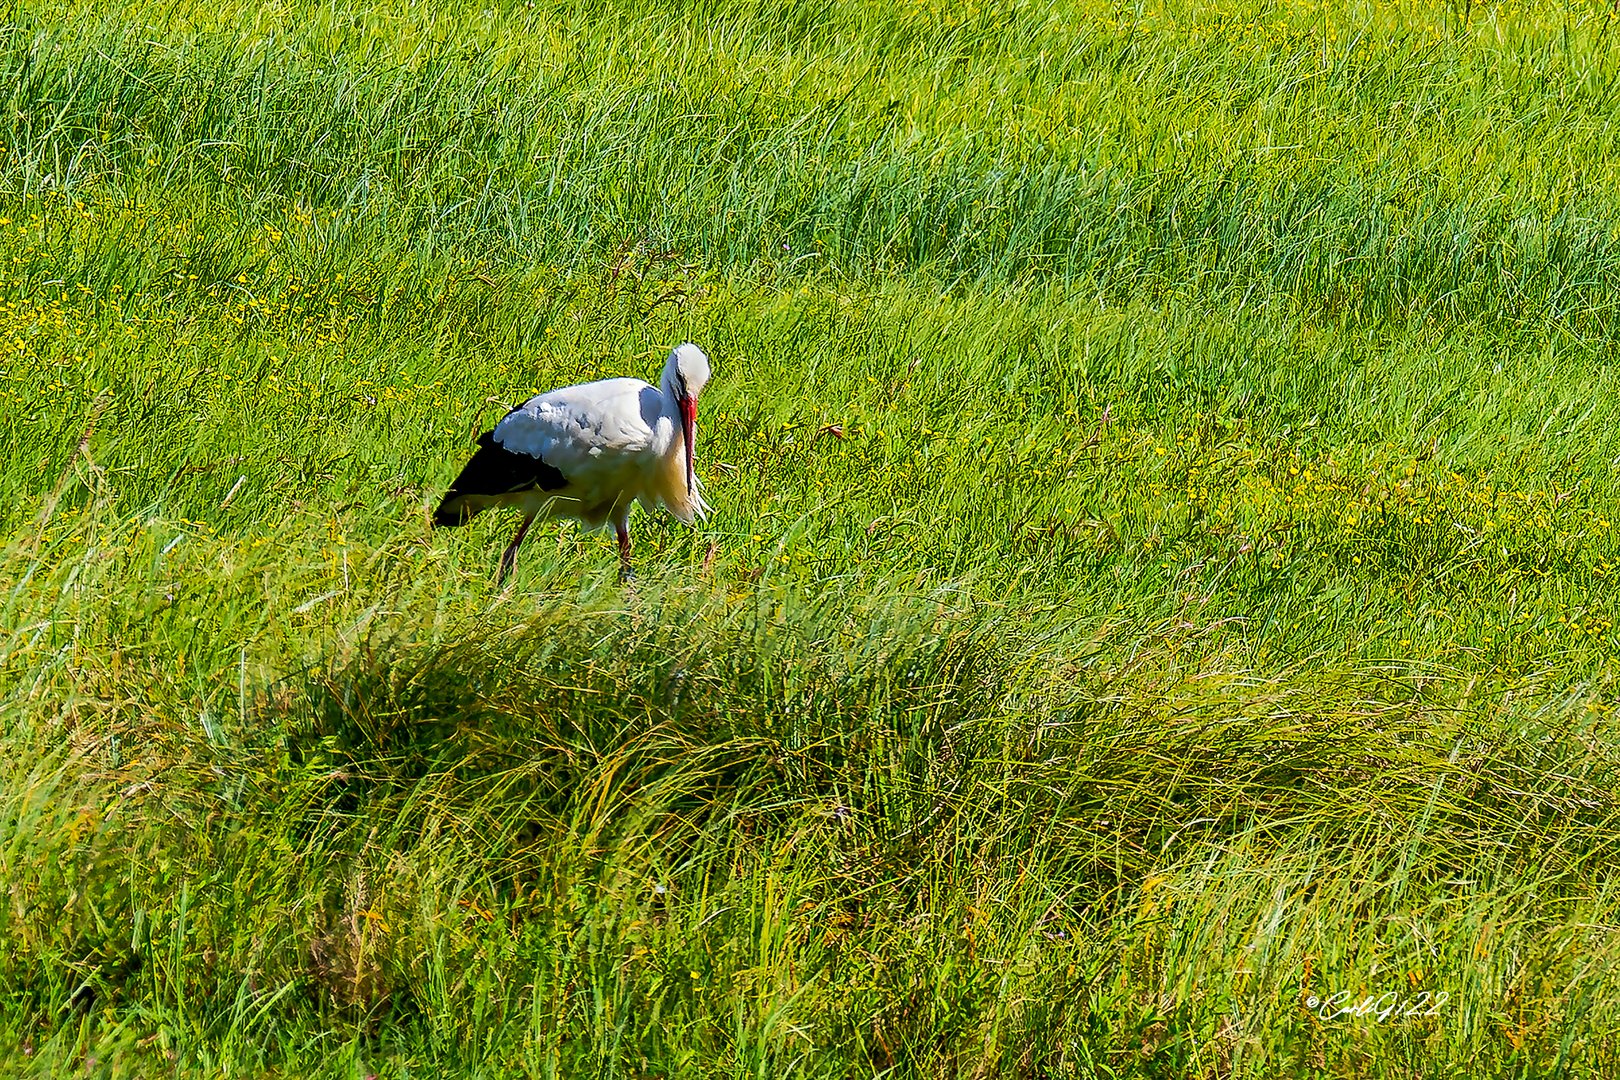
point(509, 556)
point(621, 529)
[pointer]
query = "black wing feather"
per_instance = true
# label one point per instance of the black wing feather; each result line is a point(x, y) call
point(494, 470)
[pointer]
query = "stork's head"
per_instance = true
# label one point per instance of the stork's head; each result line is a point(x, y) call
point(685, 376)
point(687, 371)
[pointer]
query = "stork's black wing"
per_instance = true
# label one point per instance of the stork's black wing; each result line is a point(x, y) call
point(494, 470)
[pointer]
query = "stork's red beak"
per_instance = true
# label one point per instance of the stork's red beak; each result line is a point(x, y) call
point(689, 437)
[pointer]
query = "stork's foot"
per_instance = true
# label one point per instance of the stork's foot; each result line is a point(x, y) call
point(504, 570)
point(627, 575)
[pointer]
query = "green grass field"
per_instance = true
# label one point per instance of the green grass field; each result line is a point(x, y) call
point(1158, 619)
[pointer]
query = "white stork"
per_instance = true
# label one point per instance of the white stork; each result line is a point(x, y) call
point(588, 452)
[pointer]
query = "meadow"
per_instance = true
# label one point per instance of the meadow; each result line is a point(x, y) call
point(1158, 619)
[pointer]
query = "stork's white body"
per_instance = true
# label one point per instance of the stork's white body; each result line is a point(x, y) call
point(617, 441)
point(590, 452)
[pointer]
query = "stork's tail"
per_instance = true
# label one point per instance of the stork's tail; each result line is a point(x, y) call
point(462, 501)
point(459, 505)
point(453, 510)
point(456, 508)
